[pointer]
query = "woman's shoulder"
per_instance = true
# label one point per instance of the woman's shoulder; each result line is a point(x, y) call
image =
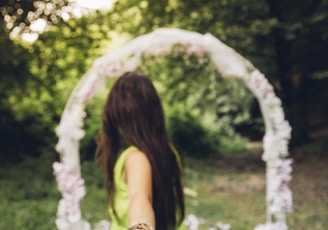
point(124, 154)
point(135, 157)
point(121, 161)
point(130, 158)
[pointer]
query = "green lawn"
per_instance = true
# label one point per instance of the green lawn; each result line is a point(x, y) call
point(228, 192)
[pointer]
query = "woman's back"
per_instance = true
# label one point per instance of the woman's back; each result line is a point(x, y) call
point(133, 115)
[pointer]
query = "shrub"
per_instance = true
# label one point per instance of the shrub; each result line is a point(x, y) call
point(191, 136)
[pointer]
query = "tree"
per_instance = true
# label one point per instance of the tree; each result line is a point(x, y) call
point(300, 45)
point(37, 79)
point(14, 76)
point(287, 40)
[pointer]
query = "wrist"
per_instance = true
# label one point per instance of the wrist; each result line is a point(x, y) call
point(141, 226)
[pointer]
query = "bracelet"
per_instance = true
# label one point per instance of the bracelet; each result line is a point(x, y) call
point(141, 226)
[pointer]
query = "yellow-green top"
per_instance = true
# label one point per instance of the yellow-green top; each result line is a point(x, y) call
point(120, 198)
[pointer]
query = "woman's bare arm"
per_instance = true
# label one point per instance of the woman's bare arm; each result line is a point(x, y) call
point(139, 180)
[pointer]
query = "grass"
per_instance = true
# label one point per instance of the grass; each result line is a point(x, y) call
point(29, 196)
point(224, 196)
point(227, 189)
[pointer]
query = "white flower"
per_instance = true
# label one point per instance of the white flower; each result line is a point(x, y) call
point(271, 145)
point(223, 226)
point(102, 225)
point(112, 69)
point(72, 189)
point(279, 194)
point(194, 50)
point(259, 83)
point(71, 123)
point(192, 222)
point(271, 226)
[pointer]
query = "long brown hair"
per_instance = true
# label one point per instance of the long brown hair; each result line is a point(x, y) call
point(133, 114)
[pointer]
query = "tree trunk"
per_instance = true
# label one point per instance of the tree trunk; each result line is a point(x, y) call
point(290, 77)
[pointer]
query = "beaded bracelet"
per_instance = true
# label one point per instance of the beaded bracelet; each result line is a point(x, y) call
point(141, 226)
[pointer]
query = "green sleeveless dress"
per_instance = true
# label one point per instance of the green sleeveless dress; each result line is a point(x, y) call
point(119, 219)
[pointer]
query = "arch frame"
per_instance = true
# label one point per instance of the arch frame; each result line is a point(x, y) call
point(126, 58)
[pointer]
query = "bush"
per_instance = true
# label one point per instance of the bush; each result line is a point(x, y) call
point(22, 137)
point(191, 136)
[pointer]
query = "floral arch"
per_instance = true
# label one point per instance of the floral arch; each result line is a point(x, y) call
point(230, 64)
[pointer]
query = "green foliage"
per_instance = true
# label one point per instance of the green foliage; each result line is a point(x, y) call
point(199, 135)
point(277, 36)
point(286, 40)
point(93, 122)
point(30, 196)
point(94, 206)
point(233, 145)
point(36, 79)
point(210, 107)
point(190, 136)
point(92, 126)
point(39, 78)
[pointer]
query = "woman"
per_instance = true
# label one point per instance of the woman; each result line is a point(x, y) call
point(144, 180)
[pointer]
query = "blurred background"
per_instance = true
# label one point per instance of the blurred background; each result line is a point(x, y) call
point(47, 45)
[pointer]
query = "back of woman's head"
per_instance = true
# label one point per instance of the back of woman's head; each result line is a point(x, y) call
point(133, 106)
